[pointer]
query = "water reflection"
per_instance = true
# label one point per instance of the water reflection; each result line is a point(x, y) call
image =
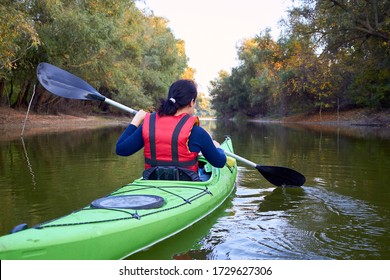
point(282, 199)
point(342, 211)
point(70, 170)
point(335, 216)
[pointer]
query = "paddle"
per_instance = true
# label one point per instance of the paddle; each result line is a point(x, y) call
point(65, 84)
point(277, 175)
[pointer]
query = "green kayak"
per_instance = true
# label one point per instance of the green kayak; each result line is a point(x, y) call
point(128, 220)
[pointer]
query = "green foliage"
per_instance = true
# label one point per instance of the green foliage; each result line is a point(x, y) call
point(126, 54)
point(203, 106)
point(17, 36)
point(360, 31)
point(334, 53)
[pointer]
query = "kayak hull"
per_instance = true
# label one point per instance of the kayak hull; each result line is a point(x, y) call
point(115, 233)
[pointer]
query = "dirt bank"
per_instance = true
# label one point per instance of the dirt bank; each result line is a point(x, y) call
point(12, 122)
point(356, 117)
point(355, 123)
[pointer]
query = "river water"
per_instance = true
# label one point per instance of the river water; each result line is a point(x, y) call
point(342, 211)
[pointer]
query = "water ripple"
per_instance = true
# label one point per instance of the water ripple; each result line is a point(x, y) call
point(297, 223)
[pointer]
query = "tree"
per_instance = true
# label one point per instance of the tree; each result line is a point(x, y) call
point(360, 31)
point(261, 63)
point(124, 53)
point(163, 61)
point(18, 37)
point(189, 73)
point(203, 106)
point(220, 93)
point(304, 77)
point(280, 78)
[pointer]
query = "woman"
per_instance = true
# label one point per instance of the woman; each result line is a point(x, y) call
point(172, 137)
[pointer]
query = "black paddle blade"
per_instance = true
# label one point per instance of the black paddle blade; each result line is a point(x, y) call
point(65, 84)
point(282, 176)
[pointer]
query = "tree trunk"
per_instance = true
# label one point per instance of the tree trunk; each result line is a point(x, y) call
point(23, 94)
point(2, 83)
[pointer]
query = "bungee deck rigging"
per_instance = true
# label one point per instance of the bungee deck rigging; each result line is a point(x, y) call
point(134, 215)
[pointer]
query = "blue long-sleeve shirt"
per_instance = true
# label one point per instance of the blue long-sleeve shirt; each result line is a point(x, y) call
point(131, 141)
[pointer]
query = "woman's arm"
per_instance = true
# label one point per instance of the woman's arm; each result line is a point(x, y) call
point(201, 141)
point(130, 141)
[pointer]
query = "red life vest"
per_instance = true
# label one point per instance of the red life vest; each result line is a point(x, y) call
point(166, 141)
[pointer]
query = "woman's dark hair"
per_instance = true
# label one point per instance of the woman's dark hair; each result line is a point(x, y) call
point(180, 94)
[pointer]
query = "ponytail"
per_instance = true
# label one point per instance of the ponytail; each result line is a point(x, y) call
point(180, 94)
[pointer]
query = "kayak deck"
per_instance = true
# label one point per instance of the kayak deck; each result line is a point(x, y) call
point(115, 233)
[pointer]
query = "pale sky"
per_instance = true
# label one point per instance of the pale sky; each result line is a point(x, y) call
point(212, 29)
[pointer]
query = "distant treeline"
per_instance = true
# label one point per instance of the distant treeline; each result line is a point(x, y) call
point(331, 55)
point(127, 54)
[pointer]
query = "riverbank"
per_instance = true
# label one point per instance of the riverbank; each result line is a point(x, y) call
point(12, 121)
point(358, 123)
point(355, 117)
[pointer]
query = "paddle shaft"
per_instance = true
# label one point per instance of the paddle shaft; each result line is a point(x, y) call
point(93, 96)
point(120, 106)
point(244, 160)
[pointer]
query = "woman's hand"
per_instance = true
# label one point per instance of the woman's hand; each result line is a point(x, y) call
point(138, 118)
point(216, 144)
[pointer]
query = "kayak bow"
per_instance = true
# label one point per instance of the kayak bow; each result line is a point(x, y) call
point(106, 230)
